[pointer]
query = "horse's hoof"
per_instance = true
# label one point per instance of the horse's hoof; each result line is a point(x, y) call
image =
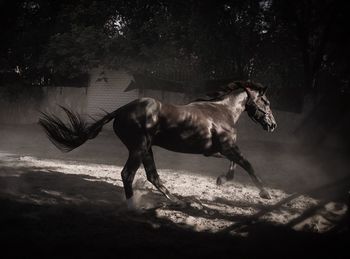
point(180, 204)
point(265, 195)
point(130, 204)
point(221, 180)
point(177, 203)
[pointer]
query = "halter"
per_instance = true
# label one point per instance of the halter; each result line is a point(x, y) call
point(253, 110)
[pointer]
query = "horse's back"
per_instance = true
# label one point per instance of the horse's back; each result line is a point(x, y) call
point(138, 115)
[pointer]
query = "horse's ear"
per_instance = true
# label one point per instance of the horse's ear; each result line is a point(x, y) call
point(249, 83)
point(249, 92)
point(262, 91)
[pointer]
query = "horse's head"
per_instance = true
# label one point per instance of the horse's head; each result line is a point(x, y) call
point(258, 106)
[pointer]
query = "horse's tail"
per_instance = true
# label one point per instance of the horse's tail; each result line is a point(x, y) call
point(74, 133)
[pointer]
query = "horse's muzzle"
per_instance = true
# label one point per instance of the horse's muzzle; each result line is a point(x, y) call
point(272, 127)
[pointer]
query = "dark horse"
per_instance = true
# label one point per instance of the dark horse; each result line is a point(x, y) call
point(205, 126)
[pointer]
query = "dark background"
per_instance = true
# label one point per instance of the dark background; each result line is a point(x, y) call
point(279, 43)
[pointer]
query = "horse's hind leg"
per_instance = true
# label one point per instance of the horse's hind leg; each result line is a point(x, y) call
point(233, 154)
point(153, 177)
point(228, 176)
point(128, 174)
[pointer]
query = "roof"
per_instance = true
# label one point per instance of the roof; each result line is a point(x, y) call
point(144, 81)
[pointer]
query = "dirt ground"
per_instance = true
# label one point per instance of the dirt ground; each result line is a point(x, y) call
point(56, 205)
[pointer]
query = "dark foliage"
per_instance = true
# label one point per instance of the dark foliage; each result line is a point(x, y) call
point(281, 43)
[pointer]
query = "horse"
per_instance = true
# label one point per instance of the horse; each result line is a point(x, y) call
point(204, 126)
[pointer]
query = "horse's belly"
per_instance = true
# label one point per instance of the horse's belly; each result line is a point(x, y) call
point(194, 144)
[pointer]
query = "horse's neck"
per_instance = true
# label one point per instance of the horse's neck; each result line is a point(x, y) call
point(236, 104)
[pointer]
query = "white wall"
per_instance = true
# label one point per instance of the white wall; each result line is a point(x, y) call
point(70, 97)
point(106, 90)
point(27, 111)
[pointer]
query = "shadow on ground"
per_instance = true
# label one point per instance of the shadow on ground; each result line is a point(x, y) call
point(54, 215)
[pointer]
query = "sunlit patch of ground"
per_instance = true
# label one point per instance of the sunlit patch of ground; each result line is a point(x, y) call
point(227, 208)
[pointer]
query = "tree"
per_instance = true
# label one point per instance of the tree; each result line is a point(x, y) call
point(318, 28)
point(288, 42)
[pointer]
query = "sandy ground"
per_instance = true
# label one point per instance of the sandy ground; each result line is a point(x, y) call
point(52, 202)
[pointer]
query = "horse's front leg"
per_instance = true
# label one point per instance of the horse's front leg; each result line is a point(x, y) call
point(233, 154)
point(230, 173)
point(228, 176)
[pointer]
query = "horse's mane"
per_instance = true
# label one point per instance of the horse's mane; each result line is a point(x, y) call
point(221, 92)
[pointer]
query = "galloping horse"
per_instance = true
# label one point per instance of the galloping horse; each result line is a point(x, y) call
point(205, 126)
